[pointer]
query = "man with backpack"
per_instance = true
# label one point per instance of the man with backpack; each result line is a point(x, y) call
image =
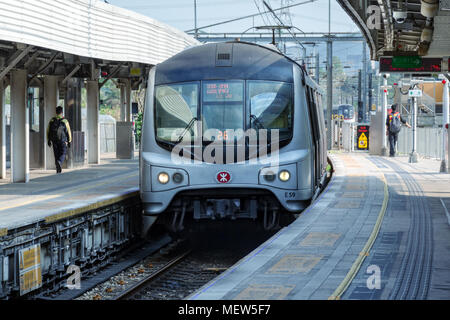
point(59, 136)
point(394, 122)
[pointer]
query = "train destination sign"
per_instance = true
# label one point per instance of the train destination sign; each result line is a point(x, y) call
point(223, 91)
point(412, 64)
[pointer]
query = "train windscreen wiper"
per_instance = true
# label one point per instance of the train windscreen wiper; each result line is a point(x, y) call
point(187, 128)
point(256, 120)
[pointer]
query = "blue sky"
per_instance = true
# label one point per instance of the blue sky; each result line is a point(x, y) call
point(311, 17)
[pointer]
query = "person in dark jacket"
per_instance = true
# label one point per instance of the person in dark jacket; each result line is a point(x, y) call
point(59, 136)
point(393, 125)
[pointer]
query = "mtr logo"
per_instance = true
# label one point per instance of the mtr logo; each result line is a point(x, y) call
point(223, 177)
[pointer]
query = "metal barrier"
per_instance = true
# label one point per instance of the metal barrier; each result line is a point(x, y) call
point(336, 134)
point(429, 142)
point(107, 137)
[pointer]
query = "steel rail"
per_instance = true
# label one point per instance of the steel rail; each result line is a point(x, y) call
point(138, 286)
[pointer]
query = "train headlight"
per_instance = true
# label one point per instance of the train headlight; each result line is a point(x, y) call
point(269, 176)
point(177, 177)
point(163, 178)
point(284, 175)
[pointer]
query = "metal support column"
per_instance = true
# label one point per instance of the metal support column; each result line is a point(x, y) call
point(445, 120)
point(128, 99)
point(364, 84)
point(413, 154)
point(92, 122)
point(329, 90)
point(51, 97)
point(384, 149)
point(20, 162)
point(317, 73)
point(123, 108)
point(360, 111)
point(2, 132)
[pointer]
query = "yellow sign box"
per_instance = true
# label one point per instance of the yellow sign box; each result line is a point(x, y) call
point(30, 269)
point(362, 141)
point(135, 72)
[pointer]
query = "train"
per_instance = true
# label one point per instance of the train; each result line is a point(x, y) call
point(345, 111)
point(231, 130)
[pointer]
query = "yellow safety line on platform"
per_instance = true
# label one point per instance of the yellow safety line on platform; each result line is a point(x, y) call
point(89, 207)
point(64, 193)
point(365, 252)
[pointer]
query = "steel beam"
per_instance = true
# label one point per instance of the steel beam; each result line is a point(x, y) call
point(286, 38)
point(15, 60)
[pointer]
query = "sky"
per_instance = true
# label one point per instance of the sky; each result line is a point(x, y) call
point(310, 17)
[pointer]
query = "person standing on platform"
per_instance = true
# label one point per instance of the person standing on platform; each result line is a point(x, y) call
point(394, 122)
point(59, 136)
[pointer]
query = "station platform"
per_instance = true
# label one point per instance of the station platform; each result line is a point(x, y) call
point(380, 230)
point(49, 197)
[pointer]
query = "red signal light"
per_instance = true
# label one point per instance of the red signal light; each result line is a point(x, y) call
point(444, 81)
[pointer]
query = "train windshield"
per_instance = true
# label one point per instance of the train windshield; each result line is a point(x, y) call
point(176, 109)
point(225, 110)
point(270, 107)
point(222, 108)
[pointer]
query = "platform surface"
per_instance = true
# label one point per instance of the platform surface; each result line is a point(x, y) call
point(379, 231)
point(49, 196)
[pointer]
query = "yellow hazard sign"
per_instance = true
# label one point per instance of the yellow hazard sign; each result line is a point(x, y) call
point(362, 141)
point(30, 274)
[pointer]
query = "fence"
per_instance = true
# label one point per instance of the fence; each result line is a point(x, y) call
point(107, 137)
point(429, 142)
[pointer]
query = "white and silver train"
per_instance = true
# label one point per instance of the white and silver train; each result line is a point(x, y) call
point(231, 130)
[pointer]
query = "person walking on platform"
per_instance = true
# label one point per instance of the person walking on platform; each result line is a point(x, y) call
point(394, 122)
point(59, 136)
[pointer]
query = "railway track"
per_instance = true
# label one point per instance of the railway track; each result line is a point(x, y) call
point(134, 290)
point(182, 267)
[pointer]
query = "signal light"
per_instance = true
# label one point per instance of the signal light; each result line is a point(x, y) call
point(385, 91)
point(444, 81)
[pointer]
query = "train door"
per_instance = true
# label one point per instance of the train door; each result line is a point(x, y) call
point(323, 136)
point(314, 118)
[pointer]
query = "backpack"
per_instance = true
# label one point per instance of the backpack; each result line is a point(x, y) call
point(57, 130)
point(395, 125)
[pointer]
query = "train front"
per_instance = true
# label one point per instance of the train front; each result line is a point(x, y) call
point(219, 138)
